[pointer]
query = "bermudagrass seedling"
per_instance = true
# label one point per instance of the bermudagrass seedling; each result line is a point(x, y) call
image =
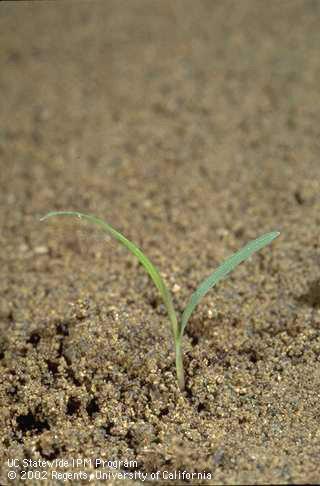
point(177, 326)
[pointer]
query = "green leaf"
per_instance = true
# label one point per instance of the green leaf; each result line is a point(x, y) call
point(143, 259)
point(226, 267)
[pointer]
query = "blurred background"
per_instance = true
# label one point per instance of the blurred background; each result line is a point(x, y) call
point(173, 113)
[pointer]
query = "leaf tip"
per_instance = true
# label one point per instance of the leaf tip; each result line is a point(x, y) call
point(44, 217)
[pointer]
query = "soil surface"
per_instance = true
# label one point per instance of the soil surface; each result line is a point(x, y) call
point(192, 127)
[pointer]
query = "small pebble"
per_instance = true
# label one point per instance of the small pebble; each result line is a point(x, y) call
point(23, 248)
point(41, 250)
point(176, 288)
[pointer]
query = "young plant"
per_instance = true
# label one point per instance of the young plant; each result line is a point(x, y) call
point(177, 325)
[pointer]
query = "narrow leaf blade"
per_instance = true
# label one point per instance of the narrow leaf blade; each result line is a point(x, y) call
point(143, 259)
point(230, 264)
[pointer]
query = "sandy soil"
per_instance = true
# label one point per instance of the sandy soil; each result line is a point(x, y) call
point(193, 127)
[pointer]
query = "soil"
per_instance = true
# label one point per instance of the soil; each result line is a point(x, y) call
point(192, 127)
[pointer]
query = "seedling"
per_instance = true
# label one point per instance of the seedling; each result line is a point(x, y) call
point(177, 325)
